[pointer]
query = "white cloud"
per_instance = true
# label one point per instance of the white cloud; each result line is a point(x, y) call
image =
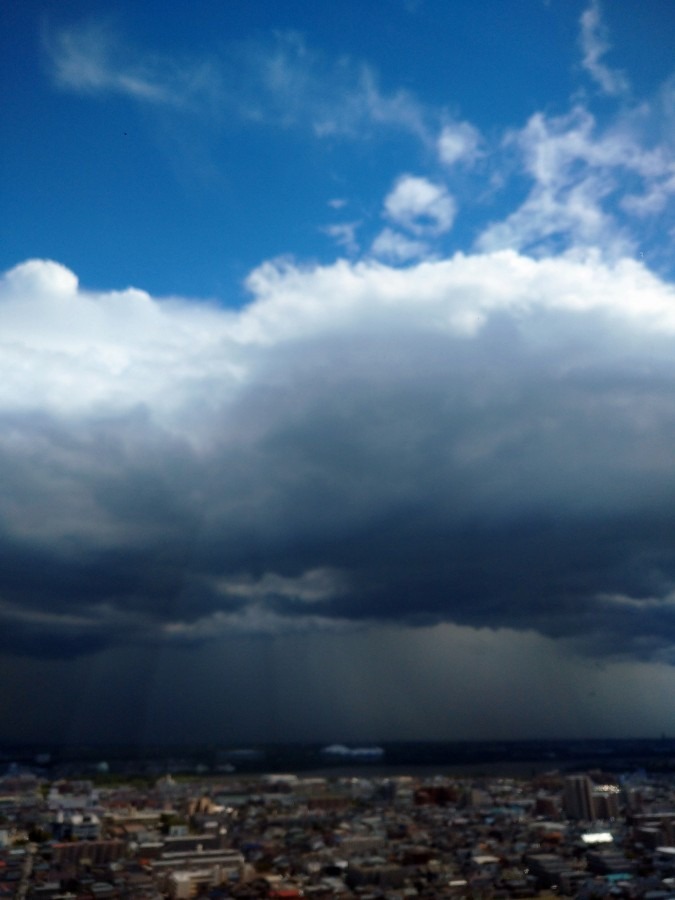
point(344, 235)
point(289, 83)
point(133, 346)
point(68, 349)
point(458, 142)
point(395, 247)
point(279, 81)
point(420, 206)
point(654, 199)
point(551, 147)
point(444, 294)
point(579, 175)
point(90, 58)
point(594, 46)
point(547, 216)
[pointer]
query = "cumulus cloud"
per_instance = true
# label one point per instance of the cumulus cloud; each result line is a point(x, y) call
point(484, 440)
point(420, 206)
point(458, 142)
point(88, 348)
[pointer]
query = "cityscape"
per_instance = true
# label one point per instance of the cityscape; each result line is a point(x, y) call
point(370, 832)
point(337, 449)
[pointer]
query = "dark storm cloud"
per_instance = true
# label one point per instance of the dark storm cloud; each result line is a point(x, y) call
point(452, 485)
point(415, 462)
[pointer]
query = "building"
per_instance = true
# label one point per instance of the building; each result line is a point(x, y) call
point(606, 802)
point(578, 797)
point(75, 826)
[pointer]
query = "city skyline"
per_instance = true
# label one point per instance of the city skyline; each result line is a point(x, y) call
point(337, 371)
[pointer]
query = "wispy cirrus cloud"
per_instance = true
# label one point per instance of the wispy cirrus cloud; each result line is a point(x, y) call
point(594, 46)
point(283, 81)
point(279, 80)
point(593, 181)
point(581, 173)
point(588, 180)
point(91, 58)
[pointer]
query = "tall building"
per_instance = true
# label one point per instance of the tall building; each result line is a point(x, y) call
point(606, 802)
point(578, 797)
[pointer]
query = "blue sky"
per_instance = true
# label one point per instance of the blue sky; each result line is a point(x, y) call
point(336, 369)
point(176, 152)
